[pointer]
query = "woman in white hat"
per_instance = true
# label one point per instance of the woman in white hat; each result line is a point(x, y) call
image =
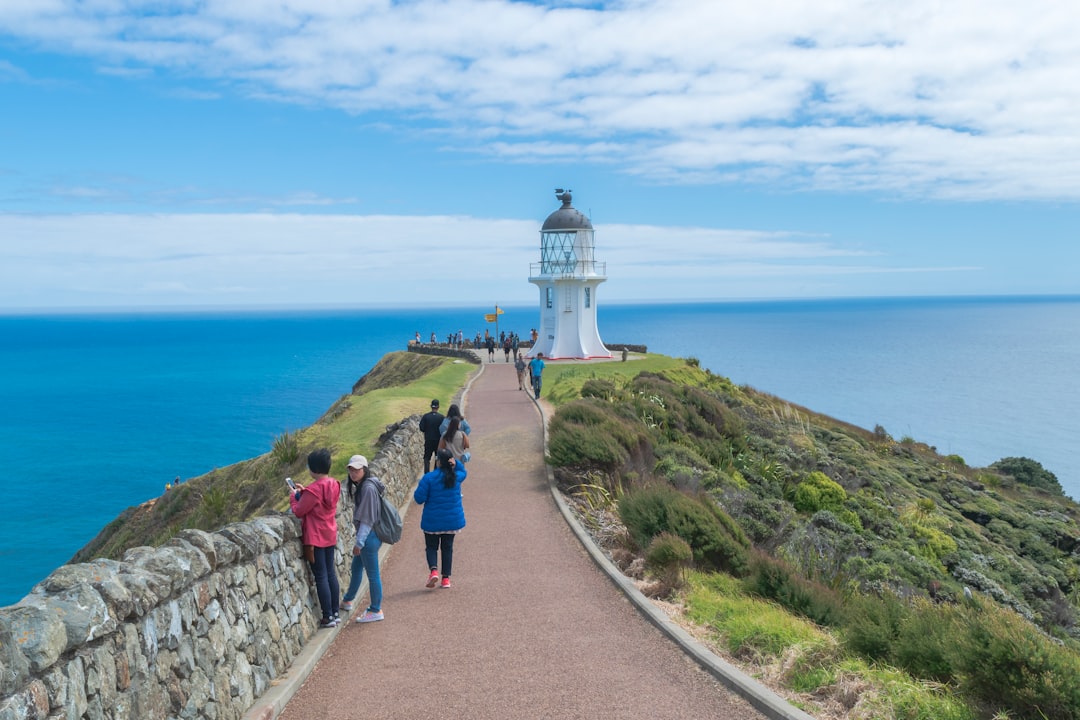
point(365, 490)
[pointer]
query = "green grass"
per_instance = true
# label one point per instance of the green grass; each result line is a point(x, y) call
point(745, 625)
point(813, 660)
point(358, 428)
point(563, 381)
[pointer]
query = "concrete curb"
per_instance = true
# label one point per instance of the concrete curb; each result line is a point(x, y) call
point(762, 698)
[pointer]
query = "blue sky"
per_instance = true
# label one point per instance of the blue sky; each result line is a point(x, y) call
point(197, 153)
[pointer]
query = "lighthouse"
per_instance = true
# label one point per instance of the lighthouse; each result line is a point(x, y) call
point(567, 276)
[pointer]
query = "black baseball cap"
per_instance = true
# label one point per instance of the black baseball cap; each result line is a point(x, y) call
point(434, 403)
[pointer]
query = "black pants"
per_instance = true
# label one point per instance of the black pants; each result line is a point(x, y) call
point(433, 541)
point(429, 450)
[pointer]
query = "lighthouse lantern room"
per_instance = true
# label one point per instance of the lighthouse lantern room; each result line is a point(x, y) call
point(567, 276)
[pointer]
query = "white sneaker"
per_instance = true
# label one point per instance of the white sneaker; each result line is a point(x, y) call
point(370, 616)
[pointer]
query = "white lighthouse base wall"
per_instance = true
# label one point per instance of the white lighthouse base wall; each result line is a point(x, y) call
point(567, 328)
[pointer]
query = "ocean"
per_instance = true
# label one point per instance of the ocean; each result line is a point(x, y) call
point(99, 412)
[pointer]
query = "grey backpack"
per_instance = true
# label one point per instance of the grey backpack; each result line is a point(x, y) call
point(388, 525)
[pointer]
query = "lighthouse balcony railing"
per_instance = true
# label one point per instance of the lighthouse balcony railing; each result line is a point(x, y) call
point(568, 268)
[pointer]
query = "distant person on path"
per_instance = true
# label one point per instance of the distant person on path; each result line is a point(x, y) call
point(453, 412)
point(514, 342)
point(418, 338)
point(364, 490)
point(536, 369)
point(455, 440)
point(519, 365)
point(439, 491)
point(490, 342)
point(506, 349)
point(429, 425)
point(316, 506)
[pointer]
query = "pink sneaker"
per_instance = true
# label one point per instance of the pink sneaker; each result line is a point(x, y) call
point(433, 579)
point(445, 583)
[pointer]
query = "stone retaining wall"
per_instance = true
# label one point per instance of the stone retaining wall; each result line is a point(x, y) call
point(196, 628)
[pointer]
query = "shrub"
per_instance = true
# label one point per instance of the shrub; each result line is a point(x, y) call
point(818, 492)
point(715, 539)
point(922, 646)
point(1005, 661)
point(599, 388)
point(873, 625)
point(666, 558)
point(590, 433)
point(1028, 472)
point(775, 579)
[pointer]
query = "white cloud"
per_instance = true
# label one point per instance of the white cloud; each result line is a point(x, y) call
point(965, 99)
point(302, 260)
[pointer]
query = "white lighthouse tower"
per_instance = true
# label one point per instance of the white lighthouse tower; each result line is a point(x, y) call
point(567, 276)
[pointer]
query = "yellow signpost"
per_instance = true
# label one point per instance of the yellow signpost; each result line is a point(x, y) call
point(494, 317)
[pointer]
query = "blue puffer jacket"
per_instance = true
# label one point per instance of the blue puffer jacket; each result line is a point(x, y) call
point(442, 505)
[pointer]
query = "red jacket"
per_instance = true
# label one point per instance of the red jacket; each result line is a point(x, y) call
point(317, 510)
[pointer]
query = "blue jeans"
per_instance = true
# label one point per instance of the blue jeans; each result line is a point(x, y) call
point(536, 383)
point(326, 582)
point(368, 559)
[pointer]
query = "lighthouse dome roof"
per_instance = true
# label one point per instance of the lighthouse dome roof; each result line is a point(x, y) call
point(566, 217)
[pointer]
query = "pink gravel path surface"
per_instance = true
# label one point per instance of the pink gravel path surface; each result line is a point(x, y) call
point(531, 628)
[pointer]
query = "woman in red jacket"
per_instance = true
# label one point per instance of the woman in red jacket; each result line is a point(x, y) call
point(316, 506)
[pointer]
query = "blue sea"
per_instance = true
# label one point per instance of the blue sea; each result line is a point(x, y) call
point(98, 412)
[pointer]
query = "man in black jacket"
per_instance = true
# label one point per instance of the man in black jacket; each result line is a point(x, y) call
point(429, 425)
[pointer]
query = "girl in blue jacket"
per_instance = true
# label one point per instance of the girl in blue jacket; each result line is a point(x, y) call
point(439, 491)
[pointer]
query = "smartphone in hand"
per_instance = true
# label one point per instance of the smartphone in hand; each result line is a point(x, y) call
point(290, 483)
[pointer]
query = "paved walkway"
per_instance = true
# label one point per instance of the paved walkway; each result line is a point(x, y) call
point(532, 627)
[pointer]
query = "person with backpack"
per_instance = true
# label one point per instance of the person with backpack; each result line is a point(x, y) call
point(439, 491)
point(365, 490)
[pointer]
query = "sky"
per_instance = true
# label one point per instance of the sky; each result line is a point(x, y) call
point(293, 153)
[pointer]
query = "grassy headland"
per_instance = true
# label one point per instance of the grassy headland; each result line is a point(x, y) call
point(400, 385)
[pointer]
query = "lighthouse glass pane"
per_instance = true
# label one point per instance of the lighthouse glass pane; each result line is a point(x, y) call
point(558, 253)
point(550, 297)
point(588, 297)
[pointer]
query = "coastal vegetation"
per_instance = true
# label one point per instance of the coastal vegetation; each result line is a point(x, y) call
point(867, 577)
